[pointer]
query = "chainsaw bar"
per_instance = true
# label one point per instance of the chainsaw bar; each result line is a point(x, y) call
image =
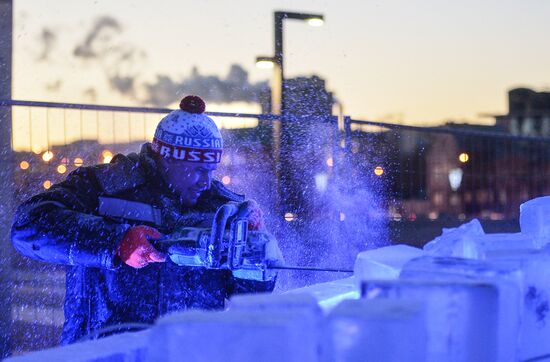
point(308, 268)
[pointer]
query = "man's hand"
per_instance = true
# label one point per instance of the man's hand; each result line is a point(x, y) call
point(135, 249)
point(251, 210)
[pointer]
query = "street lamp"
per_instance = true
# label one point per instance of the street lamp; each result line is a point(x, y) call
point(277, 87)
point(265, 62)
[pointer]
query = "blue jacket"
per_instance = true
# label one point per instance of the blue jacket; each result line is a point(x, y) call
point(65, 225)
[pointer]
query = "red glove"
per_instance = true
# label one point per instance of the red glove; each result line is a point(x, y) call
point(135, 249)
point(251, 211)
point(256, 219)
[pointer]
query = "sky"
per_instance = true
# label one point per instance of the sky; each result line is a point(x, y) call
point(415, 62)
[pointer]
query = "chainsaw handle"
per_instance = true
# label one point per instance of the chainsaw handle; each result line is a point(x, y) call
point(219, 224)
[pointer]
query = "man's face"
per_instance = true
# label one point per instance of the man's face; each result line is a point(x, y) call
point(187, 179)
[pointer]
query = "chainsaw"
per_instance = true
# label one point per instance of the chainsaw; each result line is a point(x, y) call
point(228, 244)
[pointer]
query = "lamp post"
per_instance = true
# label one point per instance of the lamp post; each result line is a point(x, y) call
point(278, 85)
point(6, 173)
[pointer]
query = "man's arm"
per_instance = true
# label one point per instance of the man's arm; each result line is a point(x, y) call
point(59, 225)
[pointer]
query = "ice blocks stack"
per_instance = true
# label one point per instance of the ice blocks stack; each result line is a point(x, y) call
point(515, 266)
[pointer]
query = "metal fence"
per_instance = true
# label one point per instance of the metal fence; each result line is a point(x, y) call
point(357, 185)
point(437, 177)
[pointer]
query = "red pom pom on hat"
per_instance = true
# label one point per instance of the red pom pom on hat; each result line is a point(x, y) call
point(192, 104)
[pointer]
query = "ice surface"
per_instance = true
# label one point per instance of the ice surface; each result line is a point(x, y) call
point(457, 241)
point(234, 335)
point(329, 294)
point(376, 330)
point(534, 333)
point(507, 278)
point(385, 262)
point(460, 316)
point(127, 347)
point(533, 219)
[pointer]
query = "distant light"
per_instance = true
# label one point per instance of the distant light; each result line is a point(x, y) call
point(315, 22)
point(24, 165)
point(342, 216)
point(47, 156)
point(461, 217)
point(330, 162)
point(47, 184)
point(107, 159)
point(321, 182)
point(106, 153)
point(397, 217)
point(290, 217)
point(37, 149)
point(455, 178)
point(61, 169)
point(433, 215)
point(378, 171)
point(265, 64)
point(78, 162)
point(463, 157)
point(412, 217)
point(226, 180)
point(65, 161)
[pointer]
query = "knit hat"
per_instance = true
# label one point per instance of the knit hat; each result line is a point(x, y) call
point(188, 134)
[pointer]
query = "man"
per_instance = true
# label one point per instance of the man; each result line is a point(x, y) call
point(102, 221)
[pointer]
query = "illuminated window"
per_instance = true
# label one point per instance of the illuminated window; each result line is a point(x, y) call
point(378, 171)
point(47, 184)
point(78, 162)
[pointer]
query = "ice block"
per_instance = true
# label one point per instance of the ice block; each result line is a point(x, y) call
point(329, 294)
point(127, 347)
point(234, 336)
point(385, 262)
point(534, 332)
point(507, 278)
point(461, 316)
point(382, 330)
point(457, 241)
point(533, 219)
